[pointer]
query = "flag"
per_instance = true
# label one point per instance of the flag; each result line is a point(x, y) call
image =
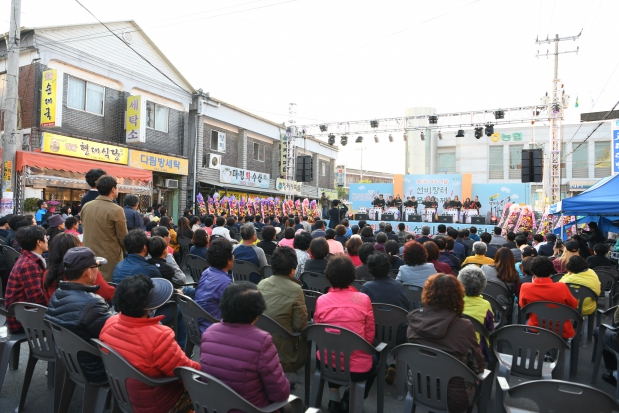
point(576, 105)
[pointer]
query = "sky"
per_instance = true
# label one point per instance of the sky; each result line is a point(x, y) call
point(351, 60)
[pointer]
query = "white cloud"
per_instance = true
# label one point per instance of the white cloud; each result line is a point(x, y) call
point(505, 189)
point(515, 196)
point(457, 183)
point(362, 187)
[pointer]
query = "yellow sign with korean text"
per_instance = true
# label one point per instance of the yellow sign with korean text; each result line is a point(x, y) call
point(135, 120)
point(82, 148)
point(158, 163)
point(51, 98)
point(237, 195)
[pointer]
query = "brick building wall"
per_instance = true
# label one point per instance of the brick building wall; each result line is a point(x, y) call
point(230, 156)
point(260, 166)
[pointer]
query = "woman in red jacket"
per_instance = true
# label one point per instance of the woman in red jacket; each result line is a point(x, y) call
point(148, 345)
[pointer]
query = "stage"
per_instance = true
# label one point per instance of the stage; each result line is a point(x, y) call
point(415, 227)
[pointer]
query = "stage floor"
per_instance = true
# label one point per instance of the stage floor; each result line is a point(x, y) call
point(415, 227)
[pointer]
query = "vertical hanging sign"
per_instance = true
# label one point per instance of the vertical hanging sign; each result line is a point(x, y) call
point(51, 98)
point(135, 120)
point(283, 153)
point(615, 146)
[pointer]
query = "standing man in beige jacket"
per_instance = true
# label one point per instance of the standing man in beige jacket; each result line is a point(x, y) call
point(105, 225)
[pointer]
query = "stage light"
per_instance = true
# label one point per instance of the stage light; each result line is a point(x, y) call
point(460, 133)
point(331, 139)
point(344, 140)
point(499, 114)
point(433, 119)
point(489, 129)
point(405, 136)
point(422, 136)
point(359, 139)
point(390, 138)
point(479, 132)
point(374, 123)
point(440, 135)
point(376, 139)
point(323, 128)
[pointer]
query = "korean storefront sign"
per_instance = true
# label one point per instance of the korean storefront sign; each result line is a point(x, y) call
point(238, 176)
point(135, 119)
point(81, 148)
point(51, 98)
point(7, 176)
point(158, 163)
point(340, 175)
point(288, 186)
point(286, 151)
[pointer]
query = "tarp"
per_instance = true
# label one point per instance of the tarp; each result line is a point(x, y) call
point(605, 223)
point(600, 199)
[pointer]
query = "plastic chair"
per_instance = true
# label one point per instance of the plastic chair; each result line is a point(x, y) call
point(10, 255)
point(357, 284)
point(185, 246)
point(9, 348)
point(431, 371)
point(315, 282)
point(413, 295)
point(192, 313)
point(609, 285)
point(96, 398)
point(268, 258)
point(196, 266)
point(41, 344)
point(272, 327)
point(557, 396)
point(500, 315)
point(528, 349)
point(310, 302)
point(266, 271)
point(552, 316)
point(119, 371)
point(601, 346)
point(245, 271)
point(338, 344)
point(393, 273)
point(604, 313)
point(494, 289)
point(211, 395)
point(580, 292)
point(556, 277)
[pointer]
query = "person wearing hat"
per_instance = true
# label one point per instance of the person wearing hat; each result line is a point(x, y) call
point(138, 335)
point(76, 306)
point(570, 249)
point(56, 226)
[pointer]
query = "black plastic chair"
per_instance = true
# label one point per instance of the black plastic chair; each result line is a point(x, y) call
point(500, 314)
point(192, 313)
point(357, 284)
point(9, 347)
point(601, 346)
point(580, 292)
point(245, 271)
point(185, 246)
point(268, 257)
point(196, 266)
point(338, 344)
point(557, 396)
point(315, 282)
point(431, 371)
point(266, 271)
point(553, 316)
point(413, 294)
point(41, 344)
point(11, 255)
point(119, 371)
point(96, 398)
point(556, 277)
point(393, 273)
point(604, 313)
point(211, 395)
point(310, 302)
point(495, 290)
point(609, 285)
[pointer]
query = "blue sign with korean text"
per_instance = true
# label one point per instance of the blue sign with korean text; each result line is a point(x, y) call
point(439, 186)
point(362, 195)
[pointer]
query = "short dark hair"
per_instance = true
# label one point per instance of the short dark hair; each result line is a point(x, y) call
point(414, 254)
point(40, 202)
point(538, 237)
point(241, 303)
point(289, 233)
point(365, 250)
point(319, 224)
point(131, 200)
point(388, 228)
point(473, 230)
point(93, 175)
point(600, 249)
point(319, 247)
point(70, 222)
point(219, 253)
point(283, 260)
point(379, 265)
point(511, 235)
point(248, 231)
point(156, 246)
point(381, 238)
point(340, 230)
point(576, 264)
point(302, 241)
point(340, 271)
point(432, 249)
point(440, 242)
point(131, 295)
point(401, 226)
point(392, 248)
point(200, 238)
point(135, 241)
point(230, 221)
point(452, 233)
point(14, 220)
point(28, 236)
point(461, 234)
point(353, 244)
point(486, 237)
point(165, 222)
point(149, 227)
point(497, 230)
point(551, 238)
point(441, 228)
point(520, 240)
point(367, 232)
point(221, 221)
point(160, 231)
point(208, 221)
point(542, 267)
point(330, 234)
point(105, 184)
point(268, 233)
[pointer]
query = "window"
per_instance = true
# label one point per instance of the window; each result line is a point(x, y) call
point(580, 164)
point(218, 141)
point(258, 152)
point(602, 159)
point(323, 169)
point(515, 161)
point(157, 116)
point(85, 96)
point(447, 163)
point(496, 162)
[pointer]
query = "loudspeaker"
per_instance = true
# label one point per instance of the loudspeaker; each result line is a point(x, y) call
point(532, 165)
point(387, 217)
point(525, 166)
point(360, 217)
point(305, 171)
point(414, 218)
point(446, 218)
point(478, 220)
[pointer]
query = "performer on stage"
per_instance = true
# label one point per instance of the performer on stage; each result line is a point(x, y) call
point(391, 202)
point(398, 204)
point(457, 205)
point(410, 204)
point(476, 204)
point(434, 203)
point(447, 204)
point(467, 203)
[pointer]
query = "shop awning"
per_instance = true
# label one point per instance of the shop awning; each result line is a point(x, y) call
point(64, 163)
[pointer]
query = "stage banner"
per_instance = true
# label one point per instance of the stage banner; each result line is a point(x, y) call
point(362, 195)
point(440, 186)
point(494, 197)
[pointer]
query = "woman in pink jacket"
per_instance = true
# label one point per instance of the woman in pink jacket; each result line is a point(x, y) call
point(345, 307)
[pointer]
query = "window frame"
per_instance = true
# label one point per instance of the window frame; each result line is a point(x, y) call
point(495, 166)
point(604, 171)
point(257, 153)
point(85, 99)
point(215, 149)
point(155, 106)
point(583, 149)
point(323, 169)
point(449, 169)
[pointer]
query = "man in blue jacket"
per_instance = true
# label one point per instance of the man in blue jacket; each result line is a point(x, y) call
point(136, 244)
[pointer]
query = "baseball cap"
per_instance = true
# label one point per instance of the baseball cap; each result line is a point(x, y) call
point(80, 258)
point(571, 246)
point(160, 294)
point(529, 252)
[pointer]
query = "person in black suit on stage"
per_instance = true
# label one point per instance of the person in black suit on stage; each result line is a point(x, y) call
point(391, 202)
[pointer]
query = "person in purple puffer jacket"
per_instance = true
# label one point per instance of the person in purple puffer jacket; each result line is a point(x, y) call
point(241, 355)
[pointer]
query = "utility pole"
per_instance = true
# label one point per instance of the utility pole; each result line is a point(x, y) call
point(556, 103)
point(11, 137)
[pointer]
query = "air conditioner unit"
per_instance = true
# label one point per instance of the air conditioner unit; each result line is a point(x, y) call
point(214, 161)
point(171, 183)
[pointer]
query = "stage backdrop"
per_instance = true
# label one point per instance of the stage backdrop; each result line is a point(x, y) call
point(440, 186)
point(362, 195)
point(493, 197)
